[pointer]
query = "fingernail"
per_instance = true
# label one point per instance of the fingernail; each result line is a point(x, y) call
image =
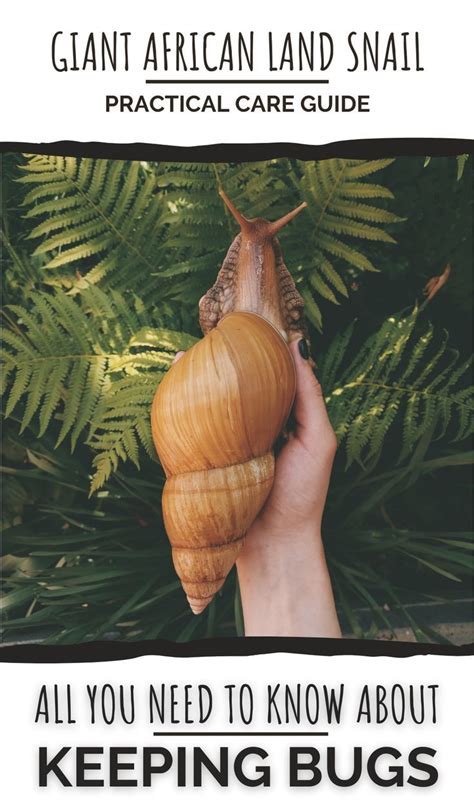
point(303, 348)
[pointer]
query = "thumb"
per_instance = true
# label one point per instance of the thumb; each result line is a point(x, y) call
point(177, 357)
point(312, 422)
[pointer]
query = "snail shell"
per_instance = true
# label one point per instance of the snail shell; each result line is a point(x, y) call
point(220, 408)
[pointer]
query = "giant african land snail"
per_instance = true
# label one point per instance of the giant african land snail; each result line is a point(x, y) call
point(219, 410)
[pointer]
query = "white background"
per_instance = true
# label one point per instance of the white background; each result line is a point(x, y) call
point(39, 104)
point(20, 737)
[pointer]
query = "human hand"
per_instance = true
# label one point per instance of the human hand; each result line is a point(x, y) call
point(283, 576)
point(284, 581)
point(303, 466)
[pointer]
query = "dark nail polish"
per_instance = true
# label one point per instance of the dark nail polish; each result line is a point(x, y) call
point(303, 348)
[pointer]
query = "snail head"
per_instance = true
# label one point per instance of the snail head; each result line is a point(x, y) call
point(254, 278)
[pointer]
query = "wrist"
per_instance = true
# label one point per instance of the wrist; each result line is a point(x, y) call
point(284, 584)
point(284, 558)
point(281, 541)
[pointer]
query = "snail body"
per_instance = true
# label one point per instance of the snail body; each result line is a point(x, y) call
point(218, 411)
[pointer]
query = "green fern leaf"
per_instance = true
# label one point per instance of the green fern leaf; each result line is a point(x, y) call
point(333, 191)
point(359, 168)
point(65, 355)
point(402, 378)
point(461, 164)
point(122, 424)
point(90, 211)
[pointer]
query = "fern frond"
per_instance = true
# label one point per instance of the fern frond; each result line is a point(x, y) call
point(63, 356)
point(122, 426)
point(335, 191)
point(461, 160)
point(461, 164)
point(91, 210)
point(312, 310)
point(359, 168)
point(399, 376)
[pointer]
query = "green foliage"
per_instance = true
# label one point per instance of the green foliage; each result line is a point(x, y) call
point(75, 359)
point(461, 160)
point(460, 165)
point(336, 191)
point(98, 218)
point(123, 224)
point(80, 568)
point(122, 425)
point(103, 223)
point(402, 375)
point(337, 204)
point(104, 265)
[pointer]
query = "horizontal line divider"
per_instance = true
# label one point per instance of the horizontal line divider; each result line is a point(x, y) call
point(238, 81)
point(239, 734)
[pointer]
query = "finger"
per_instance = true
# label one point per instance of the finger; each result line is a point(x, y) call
point(312, 421)
point(177, 357)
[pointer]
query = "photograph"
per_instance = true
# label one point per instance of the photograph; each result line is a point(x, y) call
point(237, 399)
